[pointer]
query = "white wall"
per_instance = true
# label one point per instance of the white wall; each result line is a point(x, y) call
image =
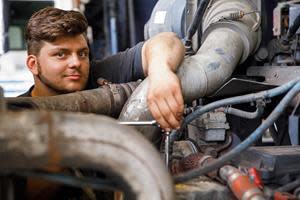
point(64, 4)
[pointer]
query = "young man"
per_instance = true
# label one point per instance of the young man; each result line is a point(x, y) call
point(58, 59)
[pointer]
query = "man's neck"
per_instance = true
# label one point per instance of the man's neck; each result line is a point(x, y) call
point(39, 92)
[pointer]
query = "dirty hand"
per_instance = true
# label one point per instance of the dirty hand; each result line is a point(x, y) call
point(165, 99)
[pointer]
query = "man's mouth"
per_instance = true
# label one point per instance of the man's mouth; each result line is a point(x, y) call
point(73, 77)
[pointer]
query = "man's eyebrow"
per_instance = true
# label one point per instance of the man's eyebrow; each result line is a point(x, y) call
point(67, 49)
point(84, 49)
point(59, 49)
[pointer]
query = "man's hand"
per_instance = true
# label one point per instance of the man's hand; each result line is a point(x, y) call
point(165, 99)
point(161, 56)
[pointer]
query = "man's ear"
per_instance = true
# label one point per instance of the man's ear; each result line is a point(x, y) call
point(32, 64)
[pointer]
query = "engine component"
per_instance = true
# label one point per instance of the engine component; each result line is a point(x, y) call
point(167, 16)
point(240, 184)
point(293, 86)
point(185, 156)
point(139, 123)
point(210, 127)
point(108, 100)
point(254, 176)
point(202, 189)
point(193, 161)
point(285, 50)
point(39, 139)
point(294, 125)
point(225, 44)
point(272, 162)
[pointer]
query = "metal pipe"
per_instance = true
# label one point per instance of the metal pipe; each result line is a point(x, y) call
point(240, 184)
point(244, 114)
point(107, 100)
point(213, 64)
point(225, 45)
point(39, 139)
point(113, 26)
point(131, 17)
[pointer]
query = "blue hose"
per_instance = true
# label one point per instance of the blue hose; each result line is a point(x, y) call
point(254, 136)
point(239, 100)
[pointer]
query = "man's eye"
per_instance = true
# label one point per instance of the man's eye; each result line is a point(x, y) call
point(60, 54)
point(83, 54)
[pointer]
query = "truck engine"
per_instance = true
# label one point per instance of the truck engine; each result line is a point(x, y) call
point(239, 138)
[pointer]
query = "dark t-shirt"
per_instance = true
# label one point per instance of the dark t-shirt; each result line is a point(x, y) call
point(123, 67)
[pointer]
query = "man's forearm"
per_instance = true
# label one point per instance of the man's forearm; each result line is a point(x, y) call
point(162, 52)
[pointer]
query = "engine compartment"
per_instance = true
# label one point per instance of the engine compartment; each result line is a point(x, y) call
point(240, 133)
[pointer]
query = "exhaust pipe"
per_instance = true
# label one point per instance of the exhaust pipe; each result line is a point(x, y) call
point(107, 100)
point(231, 34)
point(38, 139)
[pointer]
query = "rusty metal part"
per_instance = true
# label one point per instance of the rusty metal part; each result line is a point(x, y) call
point(202, 188)
point(240, 184)
point(276, 195)
point(283, 196)
point(108, 100)
point(255, 176)
point(193, 161)
point(36, 139)
point(227, 143)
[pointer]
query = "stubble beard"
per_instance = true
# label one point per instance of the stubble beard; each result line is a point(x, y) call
point(49, 84)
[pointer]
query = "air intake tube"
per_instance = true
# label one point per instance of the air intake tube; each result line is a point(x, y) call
point(231, 32)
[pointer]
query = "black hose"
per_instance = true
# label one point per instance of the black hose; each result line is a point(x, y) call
point(294, 27)
point(246, 143)
point(197, 19)
point(290, 186)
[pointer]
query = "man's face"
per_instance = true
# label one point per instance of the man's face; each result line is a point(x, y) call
point(63, 65)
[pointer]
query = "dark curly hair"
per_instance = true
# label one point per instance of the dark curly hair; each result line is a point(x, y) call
point(50, 23)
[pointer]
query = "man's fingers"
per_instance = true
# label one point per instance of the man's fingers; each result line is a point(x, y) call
point(175, 108)
point(168, 115)
point(179, 99)
point(157, 115)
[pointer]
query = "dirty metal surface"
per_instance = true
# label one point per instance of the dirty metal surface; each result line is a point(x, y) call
point(202, 188)
point(275, 75)
point(107, 100)
point(271, 161)
point(237, 86)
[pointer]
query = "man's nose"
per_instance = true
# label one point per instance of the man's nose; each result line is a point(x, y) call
point(74, 61)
